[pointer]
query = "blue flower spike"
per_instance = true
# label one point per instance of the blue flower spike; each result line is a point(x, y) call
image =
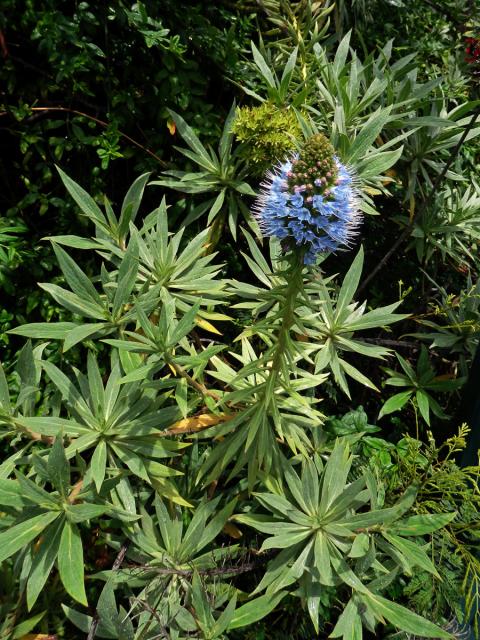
point(310, 201)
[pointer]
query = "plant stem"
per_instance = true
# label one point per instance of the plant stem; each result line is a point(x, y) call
point(294, 287)
point(201, 388)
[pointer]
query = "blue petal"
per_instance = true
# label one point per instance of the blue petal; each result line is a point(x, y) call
point(297, 200)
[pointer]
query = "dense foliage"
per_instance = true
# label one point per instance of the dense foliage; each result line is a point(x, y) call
point(232, 406)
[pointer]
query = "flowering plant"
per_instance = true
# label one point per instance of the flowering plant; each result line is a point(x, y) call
point(194, 451)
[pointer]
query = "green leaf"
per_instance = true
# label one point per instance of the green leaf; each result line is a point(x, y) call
point(76, 278)
point(86, 203)
point(245, 188)
point(11, 494)
point(66, 388)
point(350, 283)
point(413, 553)
point(26, 626)
point(422, 524)
point(85, 511)
point(98, 464)
point(75, 242)
point(43, 559)
point(260, 522)
point(36, 494)
point(263, 67)
point(45, 330)
point(184, 326)
point(341, 55)
point(310, 487)
point(131, 204)
point(423, 404)
point(360, 546)
point(335, 474)
point(127, 275)
point(201, 605)
point(288, 72)
point(50, 426)
point(287, 540)
point(73, 303)
point(70, 562)
point(225, 144)
point(21, 534)
point(58, 467)
point(279, 504)
point(181, 391)
point(95, 385)
point(368, 134)
point(80, 333)
point(357, 375)
point(322, 558)
point(216, 206)
point(107, 608)
point(349, 624)
point(403, 618)
point(377, 163)
point(255, 610)
point(395, 403)
point(84, 623)
point(191, 139)
point(381, 516)
point(224, 621)
point(4, 393)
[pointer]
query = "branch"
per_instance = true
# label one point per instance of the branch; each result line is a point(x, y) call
point(216, 571)
point(100, 122)
point(33, 435)
point(201, 388)
point(77, 487)
point(392, 343)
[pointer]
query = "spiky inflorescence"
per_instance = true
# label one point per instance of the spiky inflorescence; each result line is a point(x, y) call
point(310, 201)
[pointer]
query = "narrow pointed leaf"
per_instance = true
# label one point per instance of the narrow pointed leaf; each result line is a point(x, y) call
point(70, 562)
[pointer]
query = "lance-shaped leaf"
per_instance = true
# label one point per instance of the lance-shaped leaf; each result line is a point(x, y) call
point(21, 534)
point(70, 562)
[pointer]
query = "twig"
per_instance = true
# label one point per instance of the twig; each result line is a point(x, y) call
point(392, 343)
point(3, 45)
point(115, 567)
point(77, 487)
point(201, 388)
point(217, 571)
point(427, 201)
point(100, 122)
point(153, 614)
point(33, 435)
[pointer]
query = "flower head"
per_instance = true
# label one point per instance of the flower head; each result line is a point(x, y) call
point(310, 201)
